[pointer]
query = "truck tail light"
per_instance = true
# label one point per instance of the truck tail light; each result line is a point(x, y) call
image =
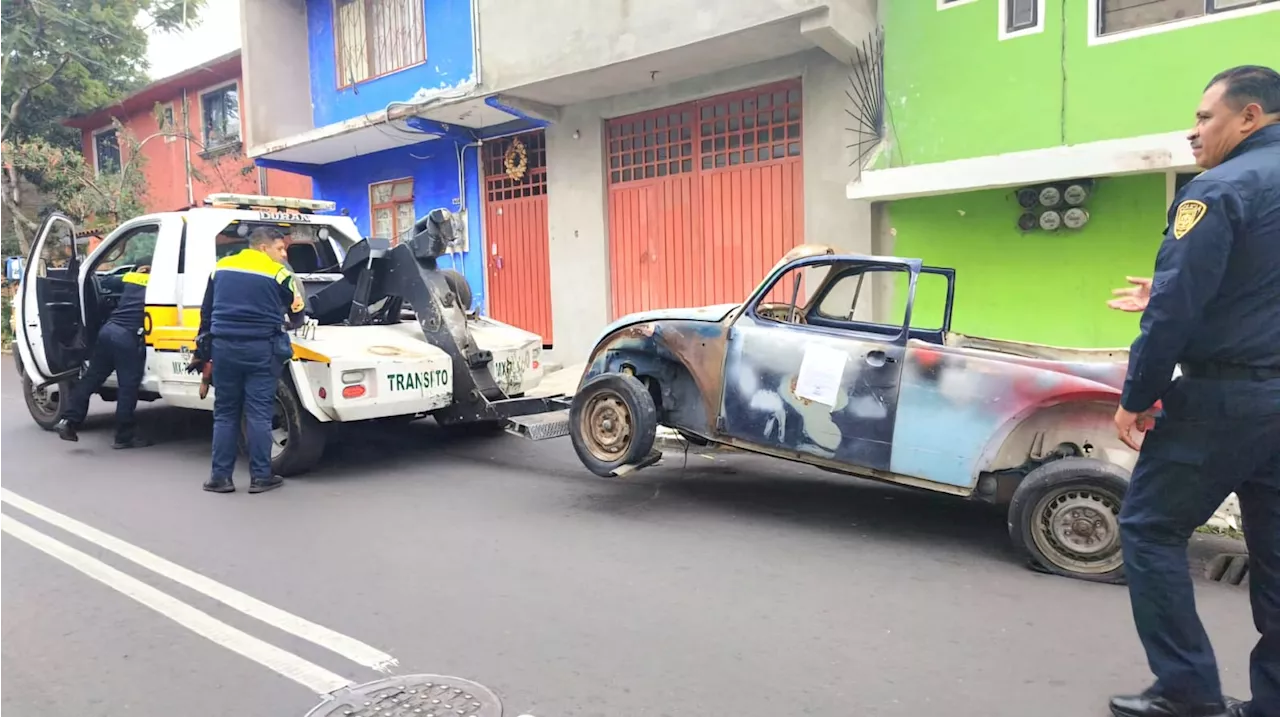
point(353, 391)
point(350, 377)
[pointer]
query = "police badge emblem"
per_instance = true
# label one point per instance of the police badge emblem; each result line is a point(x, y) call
point(1189, 214)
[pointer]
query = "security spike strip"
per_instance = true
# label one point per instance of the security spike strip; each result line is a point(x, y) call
point(866, 95)
point(412, 696)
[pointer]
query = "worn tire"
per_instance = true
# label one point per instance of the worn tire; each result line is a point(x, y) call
point(458, 284)
point(45, 415)
point(623, 401)
point(305, 437)
point(1085, 492)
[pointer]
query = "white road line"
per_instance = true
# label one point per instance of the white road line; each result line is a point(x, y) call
point(348, 647)
point(308, 674)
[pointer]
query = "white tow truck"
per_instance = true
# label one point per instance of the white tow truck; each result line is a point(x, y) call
point(389, 334)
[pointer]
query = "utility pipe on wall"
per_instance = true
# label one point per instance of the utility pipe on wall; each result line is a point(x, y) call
point(186, 143)
point(477, 67)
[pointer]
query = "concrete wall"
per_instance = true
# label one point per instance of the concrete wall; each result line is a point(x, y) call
point(577, 197)
point(273, 45)
point(521, 42)
point(1043, 287)
point(956, 90)
point(434, 168)
point(450, 61)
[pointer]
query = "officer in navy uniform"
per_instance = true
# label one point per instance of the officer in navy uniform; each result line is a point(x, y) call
point(242, 321)
point(1212, 308)
point(120, 347)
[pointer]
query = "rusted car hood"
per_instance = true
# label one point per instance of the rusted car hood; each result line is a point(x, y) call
point(697, 313)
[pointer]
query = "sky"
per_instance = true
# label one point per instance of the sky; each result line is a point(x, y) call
point(217, 34)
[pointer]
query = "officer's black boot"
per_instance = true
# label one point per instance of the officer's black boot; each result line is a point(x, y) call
point(219, 485)
point(1150, 705)
point(262, 485)
point(122, 443)
point(67, 430)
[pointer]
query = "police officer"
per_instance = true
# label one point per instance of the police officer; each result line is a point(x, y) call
point(120, 347)
point(1213, 309)
point(243, 316)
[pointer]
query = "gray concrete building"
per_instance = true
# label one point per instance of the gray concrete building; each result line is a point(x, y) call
point(627, 155)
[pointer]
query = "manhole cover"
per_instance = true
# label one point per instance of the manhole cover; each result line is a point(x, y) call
point(412, 696)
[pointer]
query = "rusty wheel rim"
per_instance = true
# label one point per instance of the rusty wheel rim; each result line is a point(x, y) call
point(606, 427)
point(1078, 529)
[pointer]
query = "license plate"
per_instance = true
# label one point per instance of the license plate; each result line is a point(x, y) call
point(511, 369)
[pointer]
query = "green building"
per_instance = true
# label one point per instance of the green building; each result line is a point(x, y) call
point(988, 103)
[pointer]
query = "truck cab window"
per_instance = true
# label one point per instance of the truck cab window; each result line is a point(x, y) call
point(129, 253)
point(310, 248)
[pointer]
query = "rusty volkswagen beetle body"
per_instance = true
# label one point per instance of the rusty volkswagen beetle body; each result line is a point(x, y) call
point(808, 369)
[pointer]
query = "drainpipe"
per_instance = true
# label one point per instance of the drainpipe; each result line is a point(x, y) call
point(477, 67)
point(459, 261)
point(186, 141)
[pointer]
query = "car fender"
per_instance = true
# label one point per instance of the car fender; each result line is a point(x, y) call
point(684, 360)
point(308, 387)
point(1082, 419)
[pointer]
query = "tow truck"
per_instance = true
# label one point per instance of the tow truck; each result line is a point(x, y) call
point(390, 334)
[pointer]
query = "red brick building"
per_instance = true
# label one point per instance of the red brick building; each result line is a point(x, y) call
point(203, 106)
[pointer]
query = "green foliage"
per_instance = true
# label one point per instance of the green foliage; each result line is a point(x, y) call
point(63, 58)
point(70, 184)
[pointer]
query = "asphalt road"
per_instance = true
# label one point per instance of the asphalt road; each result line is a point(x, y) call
point(730, 586)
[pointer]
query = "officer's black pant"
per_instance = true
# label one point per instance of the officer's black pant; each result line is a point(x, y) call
point(244, 388)
point(1214, 437)
point(116, 349)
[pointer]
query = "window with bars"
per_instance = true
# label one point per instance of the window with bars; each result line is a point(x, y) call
point(499, 186)
point(1121, 15)
point(727, 131)
point(220, 117)
point(378, 37)
point(106, 152)
point(391, 205)
point(743, 130)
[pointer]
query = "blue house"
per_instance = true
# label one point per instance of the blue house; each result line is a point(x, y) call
point(386, 115)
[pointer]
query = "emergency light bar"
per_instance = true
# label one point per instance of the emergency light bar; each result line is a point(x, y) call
point(255, 200)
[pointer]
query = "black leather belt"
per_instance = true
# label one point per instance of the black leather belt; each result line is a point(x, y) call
point(1230, 372)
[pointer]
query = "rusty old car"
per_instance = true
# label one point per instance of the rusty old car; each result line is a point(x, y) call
point(809, 368)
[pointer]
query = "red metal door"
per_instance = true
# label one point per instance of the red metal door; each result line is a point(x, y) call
point(518, 242)
point(703, 197)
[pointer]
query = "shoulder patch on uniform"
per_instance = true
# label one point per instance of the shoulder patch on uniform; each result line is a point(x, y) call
point(1189, 214)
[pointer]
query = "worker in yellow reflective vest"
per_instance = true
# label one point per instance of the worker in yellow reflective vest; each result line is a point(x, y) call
point(250, 297)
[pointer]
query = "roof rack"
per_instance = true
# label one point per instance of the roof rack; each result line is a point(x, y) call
point(257, 201)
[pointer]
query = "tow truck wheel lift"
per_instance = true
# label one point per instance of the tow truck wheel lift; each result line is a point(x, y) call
point(388, 277)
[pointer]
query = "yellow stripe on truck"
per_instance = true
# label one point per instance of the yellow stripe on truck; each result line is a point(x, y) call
point(165, 332)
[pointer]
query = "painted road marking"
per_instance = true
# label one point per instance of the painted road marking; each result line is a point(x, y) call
point(348, 647)
point(308, 674)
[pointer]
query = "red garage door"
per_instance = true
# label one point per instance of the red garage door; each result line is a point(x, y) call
point(703, 197)
point(515, 225)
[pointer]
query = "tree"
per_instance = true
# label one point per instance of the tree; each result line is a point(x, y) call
point(62, 58)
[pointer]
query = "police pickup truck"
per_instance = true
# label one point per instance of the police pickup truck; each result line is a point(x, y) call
point(390, 334)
